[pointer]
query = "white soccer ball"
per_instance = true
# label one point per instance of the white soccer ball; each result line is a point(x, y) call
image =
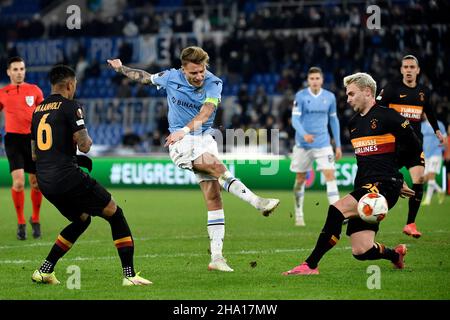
point(372, 207)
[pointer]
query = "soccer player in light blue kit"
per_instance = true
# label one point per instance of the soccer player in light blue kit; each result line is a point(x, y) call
point(314, 107)
point(433, 150)
point(193, 96)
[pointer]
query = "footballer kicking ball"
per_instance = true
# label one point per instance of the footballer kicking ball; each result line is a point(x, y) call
point(372, 207)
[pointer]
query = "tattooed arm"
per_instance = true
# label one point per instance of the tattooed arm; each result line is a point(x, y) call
point(83, 140)
point(134, 74)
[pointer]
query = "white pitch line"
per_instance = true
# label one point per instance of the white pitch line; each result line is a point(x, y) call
point(192, 237)
point(176, 255)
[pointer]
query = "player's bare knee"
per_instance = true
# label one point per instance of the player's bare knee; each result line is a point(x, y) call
point(328, 174)
point(18, 186)
point(300, 179)
point(110, 209)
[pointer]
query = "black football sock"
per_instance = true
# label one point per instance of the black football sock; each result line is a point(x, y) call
point(63, 243)
point(328, 237)
point(414, 203)
point(123, 240)
point(378, 251)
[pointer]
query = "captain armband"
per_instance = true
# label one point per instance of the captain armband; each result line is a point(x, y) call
point(214, 101)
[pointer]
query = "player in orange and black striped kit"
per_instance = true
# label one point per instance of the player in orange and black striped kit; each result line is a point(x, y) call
point(57, 130)
point(411, 100)
point(18, 101)
point(375, 132)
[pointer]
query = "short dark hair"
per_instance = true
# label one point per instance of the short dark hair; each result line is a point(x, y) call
point(59, 73)
point(411, 57)
point(315, 70)
point(14, 59)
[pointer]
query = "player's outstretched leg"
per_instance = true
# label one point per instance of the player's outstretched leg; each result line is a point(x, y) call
point(123, 240)
point(65, 240)
point(410, 228)
point(379, 251)
point(327, 239)
point(265, 205)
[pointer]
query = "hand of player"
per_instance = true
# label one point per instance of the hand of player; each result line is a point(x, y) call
point(116, 64)
point(174, 137)
point(440, 137)
point(309, 138)
point(338, 154)
point(406, 192)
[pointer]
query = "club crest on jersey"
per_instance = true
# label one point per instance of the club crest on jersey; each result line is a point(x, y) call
point(373, 124)
point(421, 96)
point(79, 113)
point(29, 100)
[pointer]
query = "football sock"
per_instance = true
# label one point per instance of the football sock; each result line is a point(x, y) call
point(232, 185)
point(123, 240)
point(414, 203)
point(63, 243)
point(36, 200)
point(332, 191)
point(299, 194)
point(216, 231)
point(436, 187)
point(378, 251)
point(19, 200)
point(328, 237)
point(430, 191)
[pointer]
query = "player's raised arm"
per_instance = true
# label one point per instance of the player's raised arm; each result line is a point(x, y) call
point(83, 140)
point(134, 74)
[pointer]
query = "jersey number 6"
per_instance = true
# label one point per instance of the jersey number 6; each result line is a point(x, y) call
point(44, 128)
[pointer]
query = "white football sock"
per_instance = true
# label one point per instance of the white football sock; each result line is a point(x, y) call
point(299, 194)
point(232, 185)
point(332, 191)
point(216, 232)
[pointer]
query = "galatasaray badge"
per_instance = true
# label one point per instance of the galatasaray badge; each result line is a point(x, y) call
point(373, 124)
point(29, 100)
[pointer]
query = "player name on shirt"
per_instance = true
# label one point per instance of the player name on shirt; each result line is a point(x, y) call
point(48, 106)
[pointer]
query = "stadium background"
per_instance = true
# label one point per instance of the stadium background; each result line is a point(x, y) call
point(261, 49)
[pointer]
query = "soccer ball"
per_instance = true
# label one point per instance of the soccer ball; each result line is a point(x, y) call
point(372, 207)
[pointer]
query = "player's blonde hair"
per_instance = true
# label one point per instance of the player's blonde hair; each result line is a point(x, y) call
point(194, 55)
point(361, 80)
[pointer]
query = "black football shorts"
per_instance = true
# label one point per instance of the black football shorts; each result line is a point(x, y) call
point(390, 189)
point(18, 151)
point(88, 197)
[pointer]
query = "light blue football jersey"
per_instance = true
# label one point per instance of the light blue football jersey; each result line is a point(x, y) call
point(430, 141)
point(311, 115)
point(185, 100)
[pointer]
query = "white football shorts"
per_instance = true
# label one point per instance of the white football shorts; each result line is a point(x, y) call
point(186, 150)
point(433, 164)
point(302, 160)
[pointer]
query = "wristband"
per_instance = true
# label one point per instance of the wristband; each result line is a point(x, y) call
point(186, 130)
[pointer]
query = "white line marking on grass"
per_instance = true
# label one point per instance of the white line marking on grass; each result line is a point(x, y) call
point(176, 255)
point(182, 237)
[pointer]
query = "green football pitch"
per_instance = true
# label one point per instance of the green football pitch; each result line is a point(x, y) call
point(171, 249)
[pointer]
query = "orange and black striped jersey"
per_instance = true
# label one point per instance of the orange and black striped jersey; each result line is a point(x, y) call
point(375, 138)
point(409, 102)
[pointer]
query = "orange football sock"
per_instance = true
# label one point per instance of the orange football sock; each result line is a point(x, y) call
point(19, 200)
point(36, 200)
